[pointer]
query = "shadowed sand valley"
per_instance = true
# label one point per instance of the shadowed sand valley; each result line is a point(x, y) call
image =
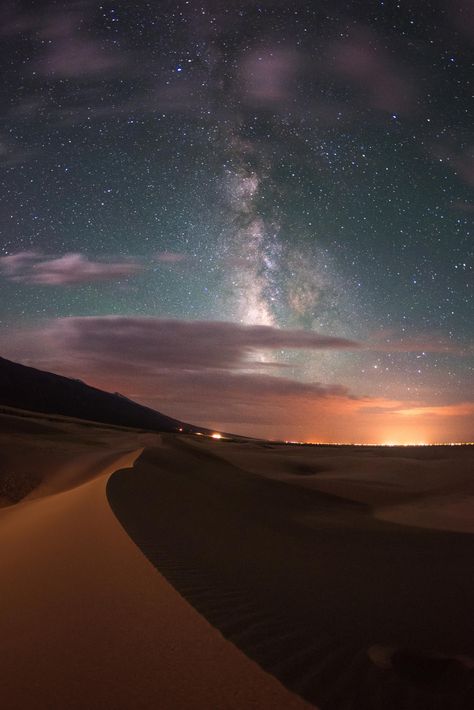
point(311, 583)
point(286, 576)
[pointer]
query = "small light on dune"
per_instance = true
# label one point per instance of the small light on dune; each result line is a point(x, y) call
point(216, 436)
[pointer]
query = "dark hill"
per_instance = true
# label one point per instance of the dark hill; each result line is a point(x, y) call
point(25, 387)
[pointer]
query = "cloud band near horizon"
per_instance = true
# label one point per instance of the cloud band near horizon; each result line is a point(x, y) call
point(206, 372)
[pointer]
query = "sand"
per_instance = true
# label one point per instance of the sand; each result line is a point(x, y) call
point(345, 609)
point(85, 620)
point(175, 572)
point(430, 487)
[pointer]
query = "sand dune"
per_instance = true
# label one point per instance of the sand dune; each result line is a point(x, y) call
point(85, 620)
point(430, 487)
point(305, 582)
point(302, 595)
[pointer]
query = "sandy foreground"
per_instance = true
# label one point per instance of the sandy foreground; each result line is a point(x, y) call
point(85, 620)
point(346, 609)
point(177, 582)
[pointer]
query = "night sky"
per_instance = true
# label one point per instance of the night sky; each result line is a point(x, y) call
point(254, 216)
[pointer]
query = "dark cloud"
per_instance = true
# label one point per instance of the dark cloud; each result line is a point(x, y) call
point(195, 370)
point(208, 373)
point(69, 49)
point(77, 57)
point(241, 398)
point(362, 60)
point(267, 76)
point(156, 344)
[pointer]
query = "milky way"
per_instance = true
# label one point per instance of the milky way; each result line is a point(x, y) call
point(267, 278)
point(297, 166)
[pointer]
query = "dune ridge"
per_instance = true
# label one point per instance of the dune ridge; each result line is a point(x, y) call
point(279, 549)
point(85, 620)
point(305, 582)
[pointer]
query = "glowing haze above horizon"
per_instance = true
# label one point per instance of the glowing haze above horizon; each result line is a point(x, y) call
point(252, 216)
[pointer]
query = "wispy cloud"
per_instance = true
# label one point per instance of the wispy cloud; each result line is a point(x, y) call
point(171, 257)
point(72, 269)
point(460, 409)
point(423, 343)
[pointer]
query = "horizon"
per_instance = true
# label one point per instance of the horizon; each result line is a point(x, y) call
point(254, 220)
point(227, 436)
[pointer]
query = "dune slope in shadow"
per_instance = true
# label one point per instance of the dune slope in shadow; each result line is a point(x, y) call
point(86, 623)
point(306, 583)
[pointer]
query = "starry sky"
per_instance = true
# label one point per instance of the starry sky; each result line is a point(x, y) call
point(254, 216)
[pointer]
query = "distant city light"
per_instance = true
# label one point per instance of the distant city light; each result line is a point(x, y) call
point(375, 443)
point(216, 436)
point(408, 443)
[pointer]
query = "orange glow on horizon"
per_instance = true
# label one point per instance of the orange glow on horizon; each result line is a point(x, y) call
point(385, 444)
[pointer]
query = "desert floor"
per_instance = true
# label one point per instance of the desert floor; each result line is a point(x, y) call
point(164, 571)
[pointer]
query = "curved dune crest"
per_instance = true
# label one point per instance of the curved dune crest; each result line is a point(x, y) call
point(300, 577)
point(303, 581)
point(87, 622)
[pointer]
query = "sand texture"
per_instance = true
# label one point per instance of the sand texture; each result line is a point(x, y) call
point(85, 621)
point(345, 609)
point(177, 572)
